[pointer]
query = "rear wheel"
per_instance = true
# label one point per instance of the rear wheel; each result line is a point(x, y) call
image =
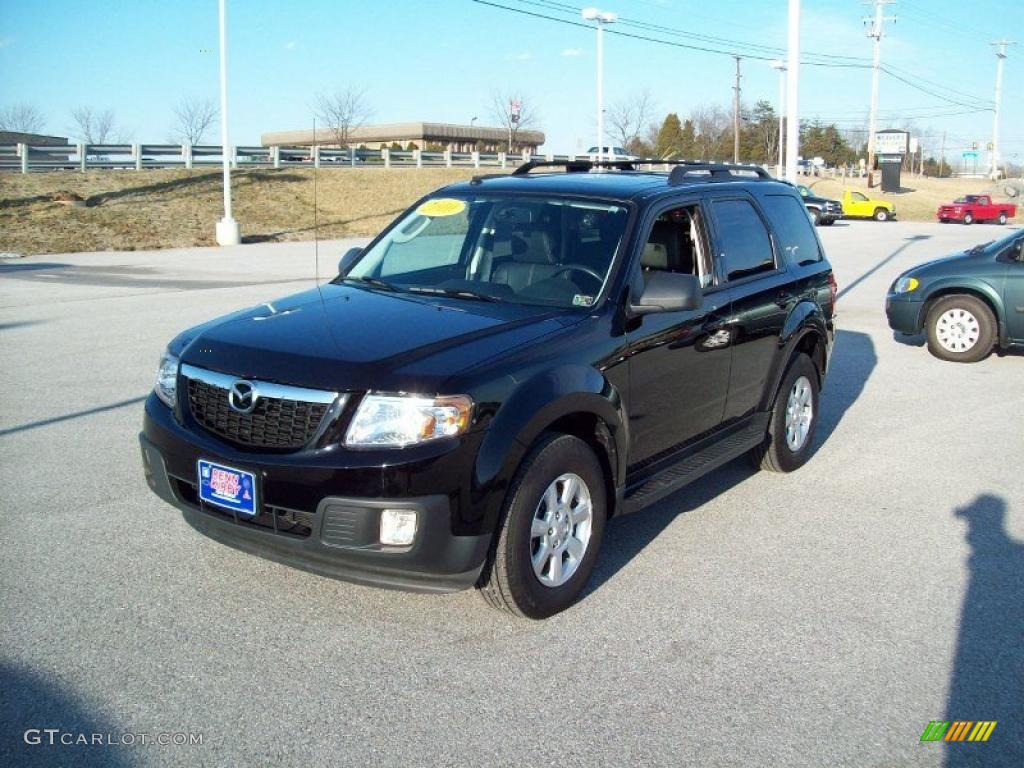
point(815, 217)
point(794, 420)
point(881, 214)
point(550, 530)
point(960, 329)
point(968, 218)
point(1002, 218)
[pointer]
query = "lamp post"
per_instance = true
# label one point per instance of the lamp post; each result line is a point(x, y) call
point(227, 228)
point(793, 90)
point(781, 67)
point(601, 18)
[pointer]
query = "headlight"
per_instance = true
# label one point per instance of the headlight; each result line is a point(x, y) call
point(399, 420)
point(167, 379)
point(906, 285)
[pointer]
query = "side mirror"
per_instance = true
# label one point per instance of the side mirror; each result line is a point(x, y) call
point(668, 292)
point(345, 262)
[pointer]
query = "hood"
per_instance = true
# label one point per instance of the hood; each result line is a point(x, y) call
point(354, 338)
point(953, 263)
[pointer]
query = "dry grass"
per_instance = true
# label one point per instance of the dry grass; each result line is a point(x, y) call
point(128, 210)
point(922, 196)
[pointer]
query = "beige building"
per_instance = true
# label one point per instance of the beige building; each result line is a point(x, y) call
point(440, 136)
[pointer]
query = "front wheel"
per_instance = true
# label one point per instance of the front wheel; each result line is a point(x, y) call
point(794, 420)
point(1002, 218)
point(550, 530)
point(960, 329)
point(881, 214)
point(968, 218)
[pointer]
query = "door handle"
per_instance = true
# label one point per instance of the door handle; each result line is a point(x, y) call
point(783, 299)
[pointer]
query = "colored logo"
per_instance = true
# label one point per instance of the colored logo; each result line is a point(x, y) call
point(958, 730)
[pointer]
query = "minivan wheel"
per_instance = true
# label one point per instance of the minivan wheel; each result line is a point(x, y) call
point(549, 532)
point(794, 420)
point(881, 214)
point(960, 329)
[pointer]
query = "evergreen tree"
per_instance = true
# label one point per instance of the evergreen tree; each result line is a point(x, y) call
point(670, 138)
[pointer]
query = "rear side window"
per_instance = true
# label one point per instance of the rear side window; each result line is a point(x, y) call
point(793, 228)
point(743, 240)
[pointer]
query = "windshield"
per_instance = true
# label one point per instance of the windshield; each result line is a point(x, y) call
point(967, 199)
point(549, 251)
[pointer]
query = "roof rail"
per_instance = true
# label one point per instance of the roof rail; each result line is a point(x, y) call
point(683, 170)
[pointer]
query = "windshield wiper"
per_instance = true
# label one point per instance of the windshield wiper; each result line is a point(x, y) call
point(374, 281)
point(982, 247)
point(458, 293)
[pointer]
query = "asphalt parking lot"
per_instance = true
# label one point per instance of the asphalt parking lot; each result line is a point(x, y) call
point(819, 618)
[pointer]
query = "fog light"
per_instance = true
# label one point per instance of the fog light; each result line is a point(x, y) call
point(397, 527)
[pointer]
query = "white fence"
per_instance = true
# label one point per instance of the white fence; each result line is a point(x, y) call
point(82, 157)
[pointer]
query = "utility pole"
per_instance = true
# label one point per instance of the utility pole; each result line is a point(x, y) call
point(875, 32)
point(1001, 57)
point(793, 90)
point(736, 114)
point(781, 67)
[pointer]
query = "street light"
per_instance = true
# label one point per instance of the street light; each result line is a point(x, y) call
point(473, 120)
point(227, 228)
point(602, 18)
point(781, 67)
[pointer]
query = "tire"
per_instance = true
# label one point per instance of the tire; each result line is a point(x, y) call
point(799, 388)
point(509, 581)
point(960, 328)
point(881, 214)
point(1002, 218)
point(829, 222)
point(944, 221)
point(968, 219)
point(815, 217)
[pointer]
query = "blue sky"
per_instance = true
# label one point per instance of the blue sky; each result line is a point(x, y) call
point(442, 60)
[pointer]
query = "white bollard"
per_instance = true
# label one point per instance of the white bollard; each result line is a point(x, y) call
point(137, 154)
point(526, 155)
point(316, 156)
point(502, 159)
point(23, 152)
point(386, 154)
point(418, 155)
point(275, 156)
point(81, 157)
point(476, 159)
point(447, 158)
point(186, 152)
point(234, 156)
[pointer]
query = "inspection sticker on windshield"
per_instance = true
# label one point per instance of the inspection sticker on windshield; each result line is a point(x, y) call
point(579, 300)
point(442, 206)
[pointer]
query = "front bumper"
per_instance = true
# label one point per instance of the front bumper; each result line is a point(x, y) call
point(320, 515)
point(903, 313)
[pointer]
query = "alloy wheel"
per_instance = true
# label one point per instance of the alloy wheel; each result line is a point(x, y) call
point(799, 413)
point(560, 533)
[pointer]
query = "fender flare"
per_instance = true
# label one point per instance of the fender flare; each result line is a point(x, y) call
point(805, 319)
point(533, 407)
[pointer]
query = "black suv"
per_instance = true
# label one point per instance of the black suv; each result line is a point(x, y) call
point(512, 362)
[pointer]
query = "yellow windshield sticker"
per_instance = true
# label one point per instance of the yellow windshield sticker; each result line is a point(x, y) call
point(442, 206)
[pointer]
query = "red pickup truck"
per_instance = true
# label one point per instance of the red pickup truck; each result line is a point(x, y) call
point(972, 208)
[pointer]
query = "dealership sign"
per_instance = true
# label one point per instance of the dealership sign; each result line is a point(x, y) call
point(891, 142)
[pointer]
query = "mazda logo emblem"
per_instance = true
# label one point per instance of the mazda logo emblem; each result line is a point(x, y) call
point(242, 397)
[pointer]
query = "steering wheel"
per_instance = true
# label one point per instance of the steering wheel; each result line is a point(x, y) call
point(580, 268)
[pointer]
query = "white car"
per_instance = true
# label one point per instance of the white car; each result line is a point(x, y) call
point(611, 153)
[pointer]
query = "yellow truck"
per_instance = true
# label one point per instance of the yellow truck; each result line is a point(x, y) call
point(857, 205)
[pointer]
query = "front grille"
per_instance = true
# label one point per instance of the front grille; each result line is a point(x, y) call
point(277, 423)
point(274, 423)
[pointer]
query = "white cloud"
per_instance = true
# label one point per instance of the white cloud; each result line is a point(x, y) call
point(570, 52)
point(290, 45)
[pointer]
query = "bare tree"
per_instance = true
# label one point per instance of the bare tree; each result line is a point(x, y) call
point(342, 112)
point(93, 126)
point(506, 106)
point(21, 118)
point(193, 119)
point(629, 118)
point(714, 131)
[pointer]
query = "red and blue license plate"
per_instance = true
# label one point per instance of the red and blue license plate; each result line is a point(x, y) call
point(227, 487)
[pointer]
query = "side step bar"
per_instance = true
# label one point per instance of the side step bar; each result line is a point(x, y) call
point(695, 464)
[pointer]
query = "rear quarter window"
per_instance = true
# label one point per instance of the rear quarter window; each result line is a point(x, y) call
point(792, 228)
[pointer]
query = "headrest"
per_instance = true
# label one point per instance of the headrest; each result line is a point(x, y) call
point(533, 247)
point(655, 256)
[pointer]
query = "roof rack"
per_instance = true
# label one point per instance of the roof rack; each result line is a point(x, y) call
point(684, 170)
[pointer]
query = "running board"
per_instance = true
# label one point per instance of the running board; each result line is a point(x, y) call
point(694, 465)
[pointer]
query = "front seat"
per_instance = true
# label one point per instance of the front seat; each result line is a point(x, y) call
point(532, 260)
